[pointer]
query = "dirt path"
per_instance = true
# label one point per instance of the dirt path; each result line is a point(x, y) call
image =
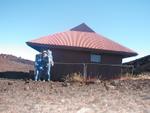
point(129, 96)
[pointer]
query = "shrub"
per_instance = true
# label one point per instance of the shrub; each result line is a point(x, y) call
point(75, 77)
point(133, 76)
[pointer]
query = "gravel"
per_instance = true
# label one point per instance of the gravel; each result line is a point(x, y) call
point(121, 96)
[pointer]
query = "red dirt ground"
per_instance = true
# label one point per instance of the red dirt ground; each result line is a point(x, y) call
point(27, 96)
point(117, 96)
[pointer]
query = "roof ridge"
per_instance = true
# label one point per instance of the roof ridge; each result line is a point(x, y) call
point(82, 27)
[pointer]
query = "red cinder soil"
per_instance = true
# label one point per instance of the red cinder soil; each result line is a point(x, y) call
point(115, 96)
point(27, 96)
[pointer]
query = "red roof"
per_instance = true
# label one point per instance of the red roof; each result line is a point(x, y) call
point(82, 37)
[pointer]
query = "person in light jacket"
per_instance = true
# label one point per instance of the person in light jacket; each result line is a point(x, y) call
point(49, 64)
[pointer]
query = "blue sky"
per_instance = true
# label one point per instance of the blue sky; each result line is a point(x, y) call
point(124, 21)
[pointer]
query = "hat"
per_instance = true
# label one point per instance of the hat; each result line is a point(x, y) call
point(44, 51)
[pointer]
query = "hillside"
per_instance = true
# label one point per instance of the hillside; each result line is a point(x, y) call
point(14, 64)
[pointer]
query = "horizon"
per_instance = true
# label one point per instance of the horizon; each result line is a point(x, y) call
point(125, 22)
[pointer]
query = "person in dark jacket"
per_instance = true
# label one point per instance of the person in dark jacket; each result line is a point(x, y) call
point(38, 67)
point(47, 63)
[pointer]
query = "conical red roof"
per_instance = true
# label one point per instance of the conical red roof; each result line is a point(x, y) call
point(81, 37)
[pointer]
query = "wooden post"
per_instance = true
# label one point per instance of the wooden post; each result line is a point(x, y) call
point(85, 71)
point(132, 69)
point(121, 71)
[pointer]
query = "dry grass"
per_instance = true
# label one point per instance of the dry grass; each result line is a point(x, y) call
point(79, 78)
point(75, 77)
point(144, 76)
point(129, 76)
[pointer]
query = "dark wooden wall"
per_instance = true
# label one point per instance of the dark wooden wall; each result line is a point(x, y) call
point(70, 56)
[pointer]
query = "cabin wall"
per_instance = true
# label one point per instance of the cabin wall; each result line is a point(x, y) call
point(70, 56)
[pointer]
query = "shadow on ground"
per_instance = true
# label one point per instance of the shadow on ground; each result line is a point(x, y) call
point(16, 75)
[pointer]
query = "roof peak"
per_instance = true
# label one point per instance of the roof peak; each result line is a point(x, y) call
point(83, 28)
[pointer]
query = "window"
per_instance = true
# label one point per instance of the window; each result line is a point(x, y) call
point(95, 58)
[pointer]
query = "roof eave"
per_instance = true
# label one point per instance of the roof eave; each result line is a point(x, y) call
point(40, 47)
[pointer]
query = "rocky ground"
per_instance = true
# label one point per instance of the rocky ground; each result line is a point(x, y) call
point(18, 95)
point(115, 96)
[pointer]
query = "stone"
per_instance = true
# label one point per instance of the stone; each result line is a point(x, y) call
point(86, 110)
point(10, 83)
point(26, 88)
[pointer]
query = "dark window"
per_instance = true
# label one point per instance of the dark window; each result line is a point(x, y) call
point(95, 58)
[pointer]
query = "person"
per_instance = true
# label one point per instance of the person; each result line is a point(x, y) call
point(38, 67)
point(43, 63)
point(49, 64)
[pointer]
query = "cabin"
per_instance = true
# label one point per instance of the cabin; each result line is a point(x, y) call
point(82, 50)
